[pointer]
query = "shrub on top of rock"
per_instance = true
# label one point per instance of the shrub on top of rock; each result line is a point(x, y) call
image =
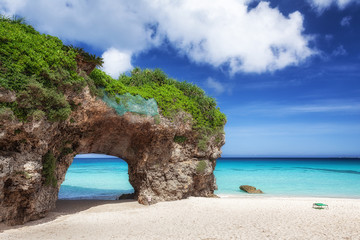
point(42, 71)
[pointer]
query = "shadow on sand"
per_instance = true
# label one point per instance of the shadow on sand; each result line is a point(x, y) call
point(68, 207)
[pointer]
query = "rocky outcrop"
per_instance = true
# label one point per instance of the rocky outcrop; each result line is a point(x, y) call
point(250, 189)
point(126, 196)
point(6, 95)
point(35, 155)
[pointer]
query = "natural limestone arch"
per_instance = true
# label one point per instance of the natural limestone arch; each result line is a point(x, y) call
point(160, 168)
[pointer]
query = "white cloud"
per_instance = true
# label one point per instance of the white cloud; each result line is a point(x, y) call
point(9, 7)
point(116, 62)
point(218, 32)
point(253, 85)
point(345, 21)
point(321, 5)
point(339, 51)
point(292, 129)
point(215, 85)
point(102, 24)
point(280, 110)
point(323, 108)
point(225, 32)
point(329, 37)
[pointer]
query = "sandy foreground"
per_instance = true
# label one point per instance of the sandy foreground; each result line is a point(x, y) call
point(253, 217)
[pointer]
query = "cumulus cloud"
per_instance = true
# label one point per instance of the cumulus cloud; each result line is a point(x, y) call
point(215, 85)
point(225, 32)
point(222, 33)
point(102, 24)
point(116, 62)
point(10, 7)
point(321, 5)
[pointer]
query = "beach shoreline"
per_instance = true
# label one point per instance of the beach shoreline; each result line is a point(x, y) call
point(270, 196)
point(253, 217)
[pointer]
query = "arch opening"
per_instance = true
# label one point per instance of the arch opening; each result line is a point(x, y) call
point(95, 177)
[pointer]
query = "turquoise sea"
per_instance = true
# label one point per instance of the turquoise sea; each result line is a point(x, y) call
point(107, 178)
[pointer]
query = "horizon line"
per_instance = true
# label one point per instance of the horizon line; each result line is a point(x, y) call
point(310, 156)
point(92, 155)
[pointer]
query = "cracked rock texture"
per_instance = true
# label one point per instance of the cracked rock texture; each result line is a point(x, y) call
point(159, 168)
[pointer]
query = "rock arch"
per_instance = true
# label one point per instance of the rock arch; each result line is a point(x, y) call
point(105, 178)
point(160, 168)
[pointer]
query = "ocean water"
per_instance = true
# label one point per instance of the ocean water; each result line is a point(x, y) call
point(96, 178)
point(107, 178)
point(291, 177)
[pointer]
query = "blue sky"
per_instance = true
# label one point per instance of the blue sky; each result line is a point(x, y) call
point(286, 73)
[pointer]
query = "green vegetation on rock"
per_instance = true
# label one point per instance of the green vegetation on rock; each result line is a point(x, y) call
point(65, 151)
point(48, 172)
point(88, 57)
point(38, 68)
point(41, 71)
point(200, 167)
point(180, 139)
point(171, 96)
point(6, 114)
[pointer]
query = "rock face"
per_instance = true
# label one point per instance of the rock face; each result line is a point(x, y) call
point(7, 96)
point(250, 189)
point(160, 169)
point(84, 65)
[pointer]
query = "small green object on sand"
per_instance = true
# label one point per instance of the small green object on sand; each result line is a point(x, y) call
point(320, 206)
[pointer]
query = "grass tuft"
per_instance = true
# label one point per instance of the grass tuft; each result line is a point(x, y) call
point(201, 166)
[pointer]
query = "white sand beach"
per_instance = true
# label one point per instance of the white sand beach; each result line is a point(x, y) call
point(252, 217)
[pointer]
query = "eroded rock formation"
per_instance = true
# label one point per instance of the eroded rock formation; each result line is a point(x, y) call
point(160, 169)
